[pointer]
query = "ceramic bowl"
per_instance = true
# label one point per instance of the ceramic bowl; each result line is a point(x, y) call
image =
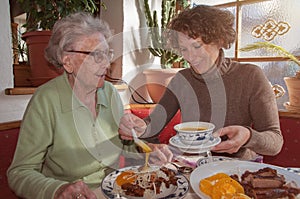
point(194, 133)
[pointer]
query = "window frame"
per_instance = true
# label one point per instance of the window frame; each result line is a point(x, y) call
point(238, 4)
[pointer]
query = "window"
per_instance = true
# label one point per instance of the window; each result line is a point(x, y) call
point(276, 21)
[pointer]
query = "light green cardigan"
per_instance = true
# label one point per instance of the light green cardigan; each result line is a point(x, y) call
point(60, 142)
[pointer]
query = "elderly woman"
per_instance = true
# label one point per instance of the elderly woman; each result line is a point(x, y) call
point(69, 134)
point(236, 97)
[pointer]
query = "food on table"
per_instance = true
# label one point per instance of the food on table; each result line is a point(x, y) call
point(220, 186)
point(145, 184)
point(194, 133)
point(192, 129)
point(266, 183)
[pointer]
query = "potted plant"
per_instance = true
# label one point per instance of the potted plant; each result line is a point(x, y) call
point(157, 79)
point(41, 15)
point(19, 47)
point(21, 70)
point(292, 83)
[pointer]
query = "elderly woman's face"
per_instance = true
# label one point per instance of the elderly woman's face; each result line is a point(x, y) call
point(89, 61)
point(200, 56)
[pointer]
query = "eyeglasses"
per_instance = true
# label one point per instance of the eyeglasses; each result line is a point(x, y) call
point(99, 55)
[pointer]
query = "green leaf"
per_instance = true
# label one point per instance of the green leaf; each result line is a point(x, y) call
point(271, 47)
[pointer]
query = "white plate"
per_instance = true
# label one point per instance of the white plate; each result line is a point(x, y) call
point(233, 167)
point(205, 160)
point(180, 191)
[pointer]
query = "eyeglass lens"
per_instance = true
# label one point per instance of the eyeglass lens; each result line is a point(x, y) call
point(99, 56)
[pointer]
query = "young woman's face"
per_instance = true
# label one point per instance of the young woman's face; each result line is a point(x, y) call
point(89, 70)
point(200, 56)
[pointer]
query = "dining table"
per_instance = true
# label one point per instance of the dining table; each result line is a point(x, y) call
point(195, 161)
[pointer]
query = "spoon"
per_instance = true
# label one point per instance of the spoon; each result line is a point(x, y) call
point(140, 142)
point(144, 147)
point(182, 169)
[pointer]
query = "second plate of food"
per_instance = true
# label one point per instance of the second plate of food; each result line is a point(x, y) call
point(237, 167)
point(110, 187)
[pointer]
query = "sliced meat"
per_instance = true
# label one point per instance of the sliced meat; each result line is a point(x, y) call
point(266, 183)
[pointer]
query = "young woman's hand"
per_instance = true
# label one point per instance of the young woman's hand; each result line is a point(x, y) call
point(237, 137)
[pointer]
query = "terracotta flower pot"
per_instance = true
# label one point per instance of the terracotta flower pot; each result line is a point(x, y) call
point(157, 81)
point(293, 87)
point(41, 70)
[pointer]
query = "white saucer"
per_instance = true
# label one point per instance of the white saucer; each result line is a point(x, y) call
point(175, 141)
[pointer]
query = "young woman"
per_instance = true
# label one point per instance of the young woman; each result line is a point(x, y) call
point(236, 97)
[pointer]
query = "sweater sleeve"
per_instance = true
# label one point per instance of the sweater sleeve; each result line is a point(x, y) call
point(163, 112)
point(24, 174)
point(266, 137)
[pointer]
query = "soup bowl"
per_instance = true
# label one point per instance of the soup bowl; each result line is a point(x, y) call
point(194, 133)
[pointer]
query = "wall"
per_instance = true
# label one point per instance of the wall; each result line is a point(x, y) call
point(6, 72)
point(11, 107)
point(115, 8)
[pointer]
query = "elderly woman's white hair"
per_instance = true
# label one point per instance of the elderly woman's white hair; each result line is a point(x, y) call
point(67, 31)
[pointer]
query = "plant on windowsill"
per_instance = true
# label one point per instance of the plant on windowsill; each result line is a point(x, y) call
point(41, 16)
point(19, 48)
point(292, 83)
point(21, 70)
point(170, 62)
point(158, 46)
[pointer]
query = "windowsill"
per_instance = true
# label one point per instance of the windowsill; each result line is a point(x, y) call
point(31, 90)
point(286, 113)
point(12, 107)
point(14, 102)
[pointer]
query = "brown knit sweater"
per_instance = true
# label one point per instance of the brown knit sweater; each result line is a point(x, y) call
point(230, 93)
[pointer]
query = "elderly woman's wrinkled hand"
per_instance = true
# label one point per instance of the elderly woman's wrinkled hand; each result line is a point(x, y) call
point(237, 137)
point(130, 121)
point(160, 154)
point(76, 190)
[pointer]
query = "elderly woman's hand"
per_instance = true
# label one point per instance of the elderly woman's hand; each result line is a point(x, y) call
point(160, 154)
point(128, 122)
point(76, 190)
point(237, 137)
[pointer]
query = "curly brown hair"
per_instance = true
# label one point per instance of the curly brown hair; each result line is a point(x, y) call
point(211, 24)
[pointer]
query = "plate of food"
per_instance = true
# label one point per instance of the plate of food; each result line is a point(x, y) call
point(156, 183)
point(223, 179)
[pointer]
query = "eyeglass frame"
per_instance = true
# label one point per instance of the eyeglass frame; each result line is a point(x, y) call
point(108, 55)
